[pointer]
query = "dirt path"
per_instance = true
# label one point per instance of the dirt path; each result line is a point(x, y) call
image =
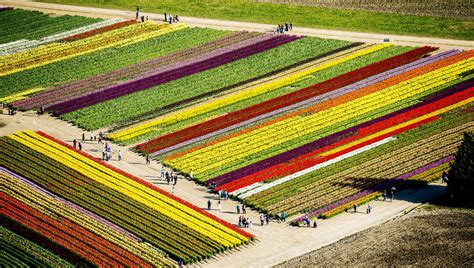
point(275, 243)
point(235, 25)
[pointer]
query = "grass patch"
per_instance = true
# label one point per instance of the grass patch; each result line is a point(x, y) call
point(307, 16)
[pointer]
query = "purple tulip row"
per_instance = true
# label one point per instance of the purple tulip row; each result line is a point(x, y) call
point(375, 188)
point(286, 156)
point(84, 86)
point(156, 79)
point(72, 205)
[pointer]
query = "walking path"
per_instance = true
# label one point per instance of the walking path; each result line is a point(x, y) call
point(235, 25)
point(275, 243)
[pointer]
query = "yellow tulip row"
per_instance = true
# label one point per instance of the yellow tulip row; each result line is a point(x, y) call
point(161, 203)
point(238, 147)
point(238, 96)
point(399, 126)
point(53, 208)
point(20, 95)
point(60, 51)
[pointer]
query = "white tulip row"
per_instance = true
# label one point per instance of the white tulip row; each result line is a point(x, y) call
point(263, 187)
point(24, 44)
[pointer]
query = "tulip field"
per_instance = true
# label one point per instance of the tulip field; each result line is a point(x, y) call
point(105, 211)
point(281, 122)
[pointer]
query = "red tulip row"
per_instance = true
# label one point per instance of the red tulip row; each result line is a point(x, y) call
point(310, 159)
point(99, 30)
point(282, 101)
point(68, 234)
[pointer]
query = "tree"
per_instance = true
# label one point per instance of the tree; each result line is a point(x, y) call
point(460, 176)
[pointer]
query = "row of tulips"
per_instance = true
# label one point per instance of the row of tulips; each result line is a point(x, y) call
point(169, 75)
point(38, 198)
point(280, 102)
point(22, 45)
point(408, 152)
point(295, 127)
point(23, 248)
point(83, 87)
point(91, 84)
point(54, 52)
point(98, 30)
point(279, 165)
point(247, 93)
point(137, 130)
point(176, 222)
point(377, 189)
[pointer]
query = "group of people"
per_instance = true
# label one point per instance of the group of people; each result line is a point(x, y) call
point(170, 18)
point(281, 28)
point(241, 207)
point(244, 222)
point(307, 222)
point(169, 176)
point(143, 18)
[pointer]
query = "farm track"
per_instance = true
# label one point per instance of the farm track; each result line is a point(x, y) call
point(235, 25)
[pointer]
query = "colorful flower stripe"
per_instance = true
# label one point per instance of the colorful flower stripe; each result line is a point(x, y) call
point(280, 102)
point(391, 161)
point(156, 79)
point(286, 156)
point(327, 210)
point(239, 96)
point(149, 185)
point(163, 232)
point(164, 205)
point(69, 204)
point(99, 30)
point(22, 45)
point(317, 99)
point(60, 51)
point(153, 67)
point(32, 193)
point(67, 90)
point(25, 247)
point(75, 238)
point(20, 95)
point(243, 84)
point(378, 95)
point(313, 162)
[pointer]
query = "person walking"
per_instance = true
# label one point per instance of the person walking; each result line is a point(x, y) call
point(355, 207)
point(166, 18)
point(80, 146)
point(283, 216)
point(286, 27)
point(162, 173)
point(170, 19)
point(147, 160)
point(240, 221)
point(120, 155)
point(175, 179)
point(209, 204)
point(74, 143)
point(83, 136)
point(219, 205)
point(238, 208)
point(244, 210)
point(392, 193)
point(291, 26)
point(267, 218)
point(315, 224)
point(167, 177)
point(191, 174)
point(369, 208)
point(262, 219)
